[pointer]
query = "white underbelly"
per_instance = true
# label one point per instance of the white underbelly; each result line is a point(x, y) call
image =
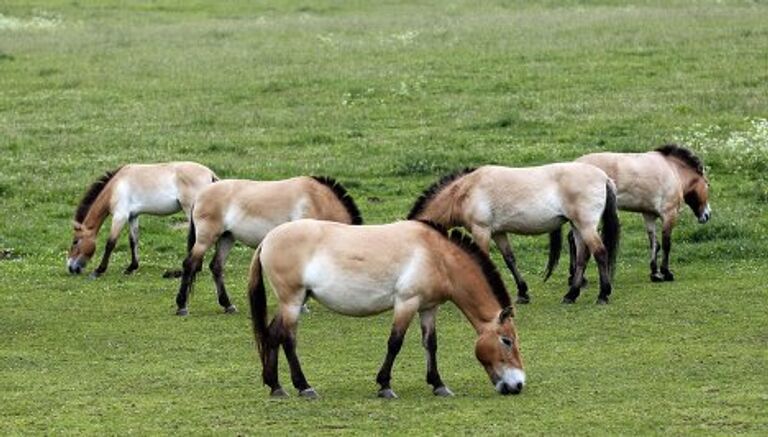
point(348, 292)
point(530, 224)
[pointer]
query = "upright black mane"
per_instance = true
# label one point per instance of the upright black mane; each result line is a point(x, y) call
point(684, 155)
point(435, 188)
point(92, 193)
point(465, 243)
point(344, 197)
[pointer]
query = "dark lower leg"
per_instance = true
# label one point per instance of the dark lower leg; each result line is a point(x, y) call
point(393, 348)
point(666, 245)
point(223, 246)
point(297, 376)
point(522, 287)
point(105, 259)
point(269, 372)
point(429, 338)
point(601, 257)
point(191, 267)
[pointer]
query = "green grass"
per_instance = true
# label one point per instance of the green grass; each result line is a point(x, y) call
point(385, 96)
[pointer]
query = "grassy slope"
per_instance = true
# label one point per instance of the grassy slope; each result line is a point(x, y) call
point(386, 98)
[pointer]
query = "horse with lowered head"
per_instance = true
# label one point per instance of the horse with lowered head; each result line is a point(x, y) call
point(656, 184)
point(410, 266)
point(242, 210)
point(126, 193)
point(491, 201)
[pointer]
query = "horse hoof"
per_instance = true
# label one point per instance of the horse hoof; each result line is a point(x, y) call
point(387, 393)
point(443, 392)
point(304, 309)
point(94, 275)
point(173, 274)
point(602, 301)
point(309, 393)
point(230, 309)
point(279, 393)
point(568, 301)
point(129, 271)
point(668, 276)
point(656, 277)
point(182, 312)
point(523, 299)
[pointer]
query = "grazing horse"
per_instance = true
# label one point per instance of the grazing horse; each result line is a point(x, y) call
point(408, 266)
point(656, 184)
point(131, 190)
point(245, 211)
point(491, 201)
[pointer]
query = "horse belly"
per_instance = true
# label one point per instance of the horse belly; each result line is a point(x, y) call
point(347, 292)
point(531, 222)
point(158, 203)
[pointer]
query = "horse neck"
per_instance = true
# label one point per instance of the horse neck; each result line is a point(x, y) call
point(471, 292)
point(99, 210)
point(685, 174)
point(443, 209)
point(330, 208)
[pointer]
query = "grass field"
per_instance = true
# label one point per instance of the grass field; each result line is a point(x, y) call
point(386, 97)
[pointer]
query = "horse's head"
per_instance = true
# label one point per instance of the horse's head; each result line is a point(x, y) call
point(697, 197)
point(82, 249)
point(498, 350)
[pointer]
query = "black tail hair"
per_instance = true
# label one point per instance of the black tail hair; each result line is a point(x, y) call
point(257, 297)
point(555, 248)
point(611, 231)
point(192, 234)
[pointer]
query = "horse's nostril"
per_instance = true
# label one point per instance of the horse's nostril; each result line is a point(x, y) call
point(519, 386)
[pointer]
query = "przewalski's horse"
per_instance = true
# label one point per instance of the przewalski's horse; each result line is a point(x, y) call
point(410, 266)
point(656, 184)
point(490, 201)
point(245, 211)
point(126, 193)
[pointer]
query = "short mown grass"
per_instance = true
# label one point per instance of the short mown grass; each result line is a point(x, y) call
point(386, 97)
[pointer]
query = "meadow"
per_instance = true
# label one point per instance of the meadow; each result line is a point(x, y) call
point(386, 97)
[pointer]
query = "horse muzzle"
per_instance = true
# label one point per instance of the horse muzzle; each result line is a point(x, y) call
point(511, 382)
point(704, 216)
point(74, 266)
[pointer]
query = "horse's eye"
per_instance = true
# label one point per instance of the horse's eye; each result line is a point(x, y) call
point(507, 341)
point(74, 242)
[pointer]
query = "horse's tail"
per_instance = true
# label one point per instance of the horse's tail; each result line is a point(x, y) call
point(257, 296)
point(192, 234)
point(611, 227)
point(555, 247)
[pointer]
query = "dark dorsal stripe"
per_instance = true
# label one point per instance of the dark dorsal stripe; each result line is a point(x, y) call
point(344, 197)
point(465, 243)
point(93, 193)
point(431, 192)
point(684, 155)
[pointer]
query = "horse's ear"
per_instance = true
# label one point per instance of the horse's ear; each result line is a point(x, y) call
point(506, 313)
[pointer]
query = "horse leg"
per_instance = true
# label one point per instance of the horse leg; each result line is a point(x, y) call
point(572, 260)
point(270, 371)
point(429, 340)
point(192, 265)
point(404, 312)
point(579, 262)
point(482, 236)
point(509, 259)
point(117, 225)
point(653, 243)
point(666, 244)
point(223, 246)
point(289, 318)
point(596, 247)
point(133, 239)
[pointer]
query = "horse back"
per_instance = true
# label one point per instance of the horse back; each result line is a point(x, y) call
point(645, 182)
